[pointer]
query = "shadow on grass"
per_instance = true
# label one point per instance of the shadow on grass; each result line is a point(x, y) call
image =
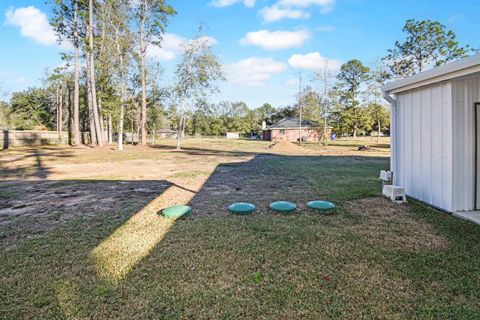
point(124, 262)
point(31, 208)
point(267, 178)
point(28, 170)
point(359, 144)
point(204, 151)
point(103, 239)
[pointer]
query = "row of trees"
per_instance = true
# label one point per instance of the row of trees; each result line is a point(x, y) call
point(352, 101)
point(109, 36)
point(108, 82)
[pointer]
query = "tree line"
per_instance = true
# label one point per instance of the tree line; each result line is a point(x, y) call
point(108, 84)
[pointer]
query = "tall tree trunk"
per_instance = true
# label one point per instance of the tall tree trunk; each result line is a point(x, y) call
point(96, 116)
point(181, 128)
point(120, 126)
point(102, 120)
point(184, 124)
point(122, 96)
point(57, 108)
point(60, 115)
point(143, 116)
point(153, 135)
point(93, 136)
point(99, 89)
point(76, 90)
point(139, 120)
point(122, 115)
point(110, 129)
point(70, 114)
point(378, 134)
point(144, 106)
point(143, 76)
point(132, 131)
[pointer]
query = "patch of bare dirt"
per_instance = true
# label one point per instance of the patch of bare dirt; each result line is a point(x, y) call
point(383, 223)
point(44, 188)
point(364, 148)
point(36, 207)
point(286, 147)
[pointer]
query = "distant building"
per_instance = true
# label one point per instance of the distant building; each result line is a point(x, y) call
point(233, 135)
point(166, 133)
point(288, 129)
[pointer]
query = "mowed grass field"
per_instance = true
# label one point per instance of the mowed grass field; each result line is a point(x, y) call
point(81, 236)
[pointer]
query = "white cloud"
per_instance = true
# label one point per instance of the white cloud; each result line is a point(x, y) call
point(209, 41)
point(294, 9)
point(276, 40)
point(325, 5)
point(313, 62)
point(253, 72)
point(226, 3)
point(33, 24)
point(276, 12)
point(171, 46)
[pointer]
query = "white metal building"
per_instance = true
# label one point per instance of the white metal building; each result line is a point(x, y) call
point(435, 129)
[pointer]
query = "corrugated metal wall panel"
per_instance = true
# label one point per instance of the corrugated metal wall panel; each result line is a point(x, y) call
point(447, 123)
point(466, 92)
point(393, 138)
point(424, 145)
point(398, 174)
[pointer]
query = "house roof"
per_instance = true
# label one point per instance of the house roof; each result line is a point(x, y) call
point(292, 123)
point(460, 68)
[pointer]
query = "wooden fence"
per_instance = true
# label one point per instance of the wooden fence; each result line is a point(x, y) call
point(21, 138)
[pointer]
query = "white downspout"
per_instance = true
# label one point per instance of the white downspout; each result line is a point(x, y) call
point(393, 133)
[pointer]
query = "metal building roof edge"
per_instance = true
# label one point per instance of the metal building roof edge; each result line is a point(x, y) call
point(446, 72)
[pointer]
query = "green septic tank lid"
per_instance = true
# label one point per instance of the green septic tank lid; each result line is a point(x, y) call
point(321, 205)
point(283, 206)
point(176, 211)
point(241, 208)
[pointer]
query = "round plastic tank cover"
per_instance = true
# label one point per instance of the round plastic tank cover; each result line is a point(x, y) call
point(283, 206)
point(321, 205)
point(177, 211)
point(242, 208)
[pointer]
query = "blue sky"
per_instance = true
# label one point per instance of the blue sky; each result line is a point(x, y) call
point(262, 44)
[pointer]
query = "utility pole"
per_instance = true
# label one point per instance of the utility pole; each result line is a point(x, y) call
point(57, 104)
point(300, 107)
point(325, 98)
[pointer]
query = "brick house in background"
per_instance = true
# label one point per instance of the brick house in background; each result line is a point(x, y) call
point(287, 129)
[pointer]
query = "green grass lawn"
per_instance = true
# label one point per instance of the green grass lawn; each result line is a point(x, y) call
point(371, 259)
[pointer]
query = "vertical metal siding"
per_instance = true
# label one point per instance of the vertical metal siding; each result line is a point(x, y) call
point(466, 92)
point(423, 144)
point(393, 139)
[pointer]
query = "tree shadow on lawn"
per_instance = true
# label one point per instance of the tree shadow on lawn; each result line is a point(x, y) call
point(35, 170)
point(299, 179)
point(356, 144)
point(204, 151)
point(30, 208)
point(205, 267)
